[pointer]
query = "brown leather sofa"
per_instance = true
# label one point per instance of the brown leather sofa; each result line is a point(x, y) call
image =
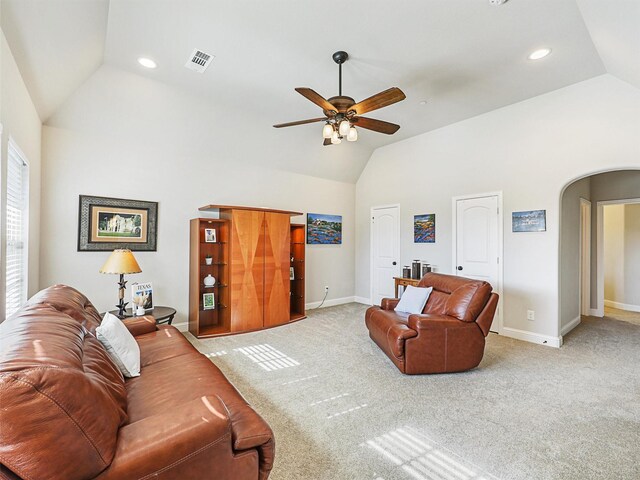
point(448, 336)
point(67, 413)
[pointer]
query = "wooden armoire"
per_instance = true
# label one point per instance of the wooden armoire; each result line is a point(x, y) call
point(260, 257)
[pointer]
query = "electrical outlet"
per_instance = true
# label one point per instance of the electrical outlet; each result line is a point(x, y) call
point(531, 315)
point(326, 288)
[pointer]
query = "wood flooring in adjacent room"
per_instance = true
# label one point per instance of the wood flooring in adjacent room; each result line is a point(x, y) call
point(341, 411)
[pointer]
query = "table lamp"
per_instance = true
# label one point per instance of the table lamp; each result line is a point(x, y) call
point(121, 261)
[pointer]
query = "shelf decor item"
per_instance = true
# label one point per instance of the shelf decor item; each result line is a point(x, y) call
point(209, 281)
point(208, 301)
point(324, 229)
point(529, 221)
point(121, 262)
point(424, 228)
point(208, 259)
point(210, 235)
point(112, 223)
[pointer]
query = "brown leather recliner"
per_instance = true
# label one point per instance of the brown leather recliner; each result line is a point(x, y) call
point(67, 413)
point(448, 336)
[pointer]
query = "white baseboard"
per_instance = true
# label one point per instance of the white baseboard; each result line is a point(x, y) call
point(330, 303)
point(622, 306)
point(182, 326)
point(366, 301)
point(595, 312)
point(546, 340)
point(570, 326)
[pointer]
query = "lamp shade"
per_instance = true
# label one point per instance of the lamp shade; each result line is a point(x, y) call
point(121, 261)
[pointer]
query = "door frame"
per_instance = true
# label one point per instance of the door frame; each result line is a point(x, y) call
point(584, 297)
point(454, 235)
point(599, 310)
point(371, 259)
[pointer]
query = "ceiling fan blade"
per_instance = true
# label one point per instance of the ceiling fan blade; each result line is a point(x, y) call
point(316, 98)
point(379, 100)
point(327, 141)
point(376, 125)
point(300, 122)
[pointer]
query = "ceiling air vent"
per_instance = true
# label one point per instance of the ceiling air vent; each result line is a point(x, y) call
point(198, 61)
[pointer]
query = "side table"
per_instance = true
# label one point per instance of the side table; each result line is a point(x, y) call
point(161, 314)
point(403, 282)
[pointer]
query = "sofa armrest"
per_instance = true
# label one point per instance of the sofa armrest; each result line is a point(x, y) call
point(389, 303)
point(140, 325)
point(170, 442)
point(436, 322)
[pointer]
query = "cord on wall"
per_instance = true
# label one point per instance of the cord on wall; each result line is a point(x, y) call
point(326, 292)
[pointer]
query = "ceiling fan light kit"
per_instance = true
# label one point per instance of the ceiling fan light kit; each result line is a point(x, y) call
point(343, 114)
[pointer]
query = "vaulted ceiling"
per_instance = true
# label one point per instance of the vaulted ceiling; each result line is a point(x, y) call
point(463, 57)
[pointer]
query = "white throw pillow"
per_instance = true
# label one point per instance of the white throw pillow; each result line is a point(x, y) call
point(413, 299)
point(120, 345)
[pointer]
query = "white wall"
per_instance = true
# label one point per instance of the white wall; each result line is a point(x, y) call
point(529, 151)
point(125, 136)
point(613, 253)
point(21, 123)
point(570, 250)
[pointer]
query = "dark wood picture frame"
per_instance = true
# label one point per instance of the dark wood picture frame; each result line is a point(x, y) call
point(87, 227)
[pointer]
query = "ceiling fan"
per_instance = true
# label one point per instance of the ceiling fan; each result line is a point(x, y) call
point(343, 114)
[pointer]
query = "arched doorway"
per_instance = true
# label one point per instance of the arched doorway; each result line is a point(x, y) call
point(583, 204)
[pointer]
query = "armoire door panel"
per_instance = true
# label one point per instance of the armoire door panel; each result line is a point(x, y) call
point(247, 270)
point(277, 285)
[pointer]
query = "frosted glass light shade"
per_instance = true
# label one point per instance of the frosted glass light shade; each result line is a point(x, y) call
point(343, 129)
point(352, 136)
point(335, 139)
point(327, 131)
point(121, 261)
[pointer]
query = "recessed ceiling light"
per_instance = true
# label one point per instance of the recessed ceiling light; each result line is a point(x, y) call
point(147, 62)
point(540, 53)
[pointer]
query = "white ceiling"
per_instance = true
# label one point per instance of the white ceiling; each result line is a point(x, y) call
point(57, 45)
point(465, 57)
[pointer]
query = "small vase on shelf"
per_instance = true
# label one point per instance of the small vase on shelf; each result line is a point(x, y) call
point(208, 260)
point(209, 281)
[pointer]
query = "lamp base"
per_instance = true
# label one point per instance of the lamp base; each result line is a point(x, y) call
point(121, 303)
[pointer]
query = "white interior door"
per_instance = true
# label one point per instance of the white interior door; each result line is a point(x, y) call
point(385, 251)
point(477, 241)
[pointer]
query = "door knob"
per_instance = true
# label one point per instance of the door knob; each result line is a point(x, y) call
point(394, 263)
point(459, 267)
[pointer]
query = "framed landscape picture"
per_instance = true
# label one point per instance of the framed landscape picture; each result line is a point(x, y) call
point(424, 228)
point(529, 221)
point(324, 229)
point(110, 223)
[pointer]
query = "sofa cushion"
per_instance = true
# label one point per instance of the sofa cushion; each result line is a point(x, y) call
point(413, 299)
point(120, 345)
point(163, 386)
point(71, 302)
point(467, 301)
point(53, 372)
point(162, 344)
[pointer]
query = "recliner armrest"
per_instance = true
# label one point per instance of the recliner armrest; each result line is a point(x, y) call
point(389, 303)
point(140, 325)
point(435, 322)
point(166, 441)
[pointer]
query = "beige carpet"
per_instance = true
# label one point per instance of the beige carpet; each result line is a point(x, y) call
point(341, 410)
point(623, 315)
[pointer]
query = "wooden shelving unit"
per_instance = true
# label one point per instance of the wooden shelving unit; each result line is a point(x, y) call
point(204, 323)
point(297, 309)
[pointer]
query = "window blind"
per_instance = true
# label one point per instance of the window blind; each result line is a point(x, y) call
point(16, 229)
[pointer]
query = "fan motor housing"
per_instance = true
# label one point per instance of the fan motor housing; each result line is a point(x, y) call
point(342, 104)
